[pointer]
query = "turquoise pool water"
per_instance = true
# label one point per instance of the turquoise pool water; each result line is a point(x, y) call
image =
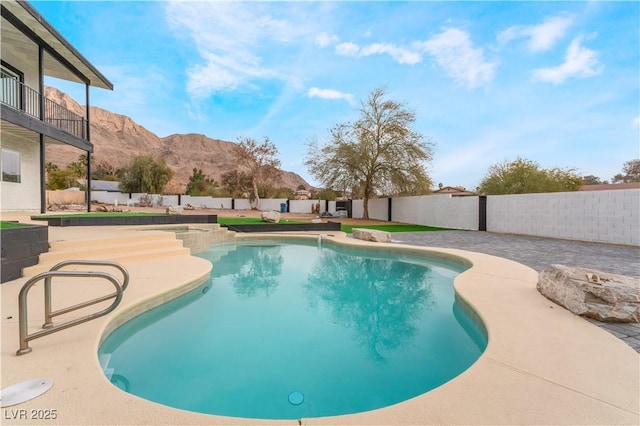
point(292, 330)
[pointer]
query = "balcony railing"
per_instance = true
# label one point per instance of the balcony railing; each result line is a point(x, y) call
point(21, 97)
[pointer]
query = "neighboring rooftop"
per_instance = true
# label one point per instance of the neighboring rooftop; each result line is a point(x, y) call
point(609, 186)
point(458, 191)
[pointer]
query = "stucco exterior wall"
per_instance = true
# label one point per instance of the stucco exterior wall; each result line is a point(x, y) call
point(604, 216)
point(23, 196)
point(66, 197)
point(26, 65)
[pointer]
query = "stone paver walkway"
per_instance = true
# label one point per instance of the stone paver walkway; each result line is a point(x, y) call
point(537, 253)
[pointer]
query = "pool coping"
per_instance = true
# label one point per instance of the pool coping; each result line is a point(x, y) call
point(542, 365)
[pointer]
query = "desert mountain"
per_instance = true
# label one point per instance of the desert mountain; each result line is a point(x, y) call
point(117, 139)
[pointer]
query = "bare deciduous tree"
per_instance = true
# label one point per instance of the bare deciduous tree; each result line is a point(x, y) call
point(630, 172)
point(260, 163)
point(379, 154)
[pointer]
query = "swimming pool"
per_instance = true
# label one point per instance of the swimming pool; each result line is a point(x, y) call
point(286, 331)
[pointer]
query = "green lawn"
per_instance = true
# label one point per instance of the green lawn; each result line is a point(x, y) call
point(394, 228)
point(11, 225)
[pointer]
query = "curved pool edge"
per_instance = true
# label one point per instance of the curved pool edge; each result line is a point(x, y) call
point(542, 365)
point(139, 307)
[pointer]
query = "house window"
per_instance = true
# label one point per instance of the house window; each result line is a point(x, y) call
point(10, 166)
point(11, 94)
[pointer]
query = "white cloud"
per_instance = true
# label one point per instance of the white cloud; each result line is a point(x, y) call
point(230, 38)
point(324, 39)
point(347, 49)
point(454, 51)
point(399, 54)
point(542, 37)
point(579, 62)
point(451, 48)
point(636, 122)
point(314, 92)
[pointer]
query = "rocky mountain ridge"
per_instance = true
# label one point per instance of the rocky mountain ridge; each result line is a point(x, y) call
point(117, 139)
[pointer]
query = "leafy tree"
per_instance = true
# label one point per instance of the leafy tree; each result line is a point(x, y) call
point(377, 154)
point(260, 162)
point(327, 194)
point(79, 167)
point(51, 167)
point(592, 180)
point(525, 177)
point(61, 179)
point(200, 184)
point(103, 170)
point(630, 172)
point(283, 192)
point(236, 183)
point(146, 174)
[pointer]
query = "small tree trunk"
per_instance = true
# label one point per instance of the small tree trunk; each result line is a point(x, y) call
point(254, 198)
point(365, 206)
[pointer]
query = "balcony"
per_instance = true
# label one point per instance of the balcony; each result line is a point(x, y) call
point(21, 97)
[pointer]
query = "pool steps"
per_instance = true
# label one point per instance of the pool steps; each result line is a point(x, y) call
point(119, 249)
point(104, 360)
point(145, 244)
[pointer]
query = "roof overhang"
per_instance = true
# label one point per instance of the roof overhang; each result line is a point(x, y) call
point(62, 60)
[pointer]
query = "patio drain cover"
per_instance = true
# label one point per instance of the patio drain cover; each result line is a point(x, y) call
point(24, 391)
point(296, 398)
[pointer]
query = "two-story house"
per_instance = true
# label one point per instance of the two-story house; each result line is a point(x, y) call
point(30, 50)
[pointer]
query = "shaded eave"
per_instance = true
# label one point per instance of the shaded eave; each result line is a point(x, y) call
point(72, 65)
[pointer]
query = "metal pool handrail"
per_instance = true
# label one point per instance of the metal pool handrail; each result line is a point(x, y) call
point(48, 314)
point(48, 326)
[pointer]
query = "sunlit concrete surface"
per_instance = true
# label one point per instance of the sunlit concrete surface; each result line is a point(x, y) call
point(542, 365)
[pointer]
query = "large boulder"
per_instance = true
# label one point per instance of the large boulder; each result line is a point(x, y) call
point(371, 235)
point(591, 293)
point(272, 216)
point(174, 210)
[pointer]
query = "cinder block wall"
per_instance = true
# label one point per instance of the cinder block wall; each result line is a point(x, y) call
point(303, 206)
point(602, 216)
point(378, 208)
point(611, 216)
point(442, 211)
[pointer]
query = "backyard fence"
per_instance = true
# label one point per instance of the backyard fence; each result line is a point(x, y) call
point(609, 216)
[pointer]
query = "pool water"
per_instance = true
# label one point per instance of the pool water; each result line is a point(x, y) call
point(294, 330)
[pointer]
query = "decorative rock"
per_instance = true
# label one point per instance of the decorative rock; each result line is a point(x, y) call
point(591, 293)
point(371, 235)
point(174, 210)
point(272, 217)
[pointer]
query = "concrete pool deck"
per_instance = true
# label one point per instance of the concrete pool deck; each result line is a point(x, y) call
point(542, 365)
point(538, 253)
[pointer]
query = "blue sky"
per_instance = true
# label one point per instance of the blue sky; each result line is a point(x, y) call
point(553, 82)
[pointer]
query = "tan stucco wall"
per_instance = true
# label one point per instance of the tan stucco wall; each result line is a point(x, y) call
point(66, 197)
